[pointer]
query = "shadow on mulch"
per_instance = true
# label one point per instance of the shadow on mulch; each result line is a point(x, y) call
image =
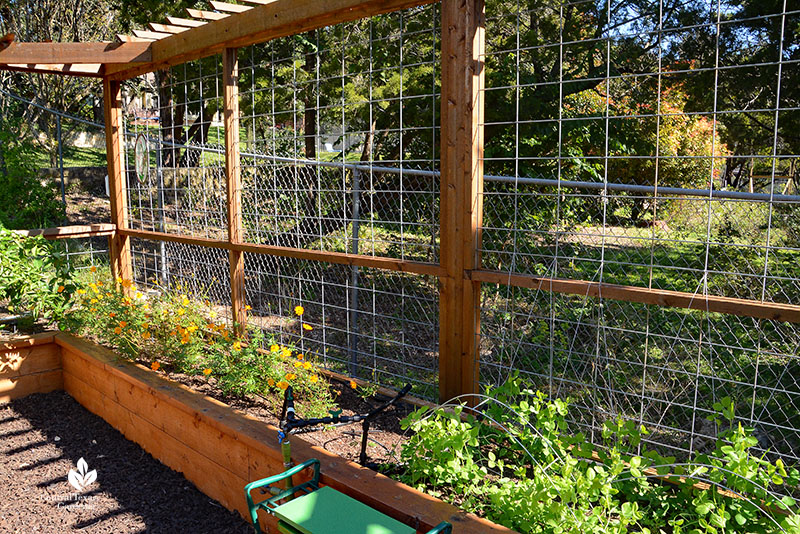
point(43, 436)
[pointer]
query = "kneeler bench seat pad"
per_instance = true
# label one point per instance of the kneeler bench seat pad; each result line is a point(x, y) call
point(326, 511)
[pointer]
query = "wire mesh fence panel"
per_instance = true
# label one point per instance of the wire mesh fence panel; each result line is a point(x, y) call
point(340, 137)
point(662, 367)
point(174, 150)
point(367, 323)
point(84, 253)
point(645, 145)
point(199, 272)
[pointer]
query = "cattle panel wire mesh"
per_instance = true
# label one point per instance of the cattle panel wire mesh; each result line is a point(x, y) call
point(339, 133)
point(175, 116)
point(655, 145)
point(383, 328)
point(202, 273)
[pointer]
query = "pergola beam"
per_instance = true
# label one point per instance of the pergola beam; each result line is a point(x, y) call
point(259, 24)
point(75, 53)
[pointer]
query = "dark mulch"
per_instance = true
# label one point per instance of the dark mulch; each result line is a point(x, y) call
point(385, 434)
point(43, 436)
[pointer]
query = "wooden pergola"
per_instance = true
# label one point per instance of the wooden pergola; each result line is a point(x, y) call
point(231, 26)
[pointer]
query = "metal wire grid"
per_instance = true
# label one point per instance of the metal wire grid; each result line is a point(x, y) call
point(623, 146)
point(377, 325)
point(84, 253)
point(177, 113)
point(662, 367)
point(365, 93)
point(201, 272)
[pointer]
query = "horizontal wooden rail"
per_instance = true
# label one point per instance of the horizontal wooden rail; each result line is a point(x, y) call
point(341, 258)
point(75, 53)
point(660, 297)
point(71, 232)
point(257, 25)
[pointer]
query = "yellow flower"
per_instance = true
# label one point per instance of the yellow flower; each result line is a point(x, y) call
point(154, 366)
point(299, 310)
point(307, 327)
point(307, 366)
point(181, 311)
point(93, 301)
point(283, 385)
point(93, 309)
point(313, 379)
point(274, 348)
point(248, 308)
point(139, 295)
point(127, 283)
point(237, 346)
point(299, 356)
point(123, 324)
point(118, 330)
point(146, 335)
point(270, 382)
point(207, 371)
point(81, 291)
point(192, 328)
point(119, 279)
point(286, 352)
point(213, 315)
point(100, 283)
point(291, 376)
point(298, 364)
point(60, 289)
point(185, 301)
point(99, 296)
point(353, 384)
point(93, 269)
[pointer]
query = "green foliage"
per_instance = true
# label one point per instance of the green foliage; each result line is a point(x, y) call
point(34, 277)
point(519, 467)
point(24, 201)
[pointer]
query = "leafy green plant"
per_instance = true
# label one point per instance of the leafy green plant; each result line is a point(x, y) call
point(517, 465)
point(34, 277)
point(25, 202)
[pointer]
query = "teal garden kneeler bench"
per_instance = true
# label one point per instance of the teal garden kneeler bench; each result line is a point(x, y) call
point(314, 510)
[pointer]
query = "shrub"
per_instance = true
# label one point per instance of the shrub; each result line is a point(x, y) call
point(24, 201)
point(34, 277)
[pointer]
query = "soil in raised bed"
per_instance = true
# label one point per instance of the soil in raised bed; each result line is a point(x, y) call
point(385, 433)
point(43, 436)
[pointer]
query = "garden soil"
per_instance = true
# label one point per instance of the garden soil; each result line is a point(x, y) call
point(44, 436)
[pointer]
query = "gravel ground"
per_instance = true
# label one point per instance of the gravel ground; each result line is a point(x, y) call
point(43, 437)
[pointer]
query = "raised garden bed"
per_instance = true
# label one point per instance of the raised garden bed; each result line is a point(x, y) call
point(213, 446)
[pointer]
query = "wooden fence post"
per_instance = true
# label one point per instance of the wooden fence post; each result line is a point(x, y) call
point(120, 248)
point(233, 174)
point(461, 194)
